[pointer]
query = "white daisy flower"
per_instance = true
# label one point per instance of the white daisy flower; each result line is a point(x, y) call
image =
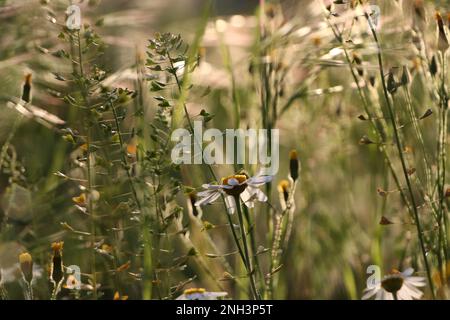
point(396, 286)
point(201, 294)
point(238, 185)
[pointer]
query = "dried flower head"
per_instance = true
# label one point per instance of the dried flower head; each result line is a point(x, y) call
point(56, 267)
point(294, 165)
point(26, 88)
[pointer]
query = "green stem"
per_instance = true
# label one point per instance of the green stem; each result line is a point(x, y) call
point(248, 261)
point(90, 176)
point(401, 155)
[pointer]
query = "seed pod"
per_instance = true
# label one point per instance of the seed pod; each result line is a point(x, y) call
point(385, 221)
point(26, 89)
point(358, 61)
point(391, 83)
point(362, 117)
point(443, 43)
point(365, 140)
point(56, 268)
point(433, 66)
point(406, 77)
point(26, 266)
point(294, 165)
point(427, 113)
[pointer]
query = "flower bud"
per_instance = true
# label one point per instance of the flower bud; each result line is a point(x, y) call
point(26, 89)
point(26, 266)
point(294, 165)
point(56, 268)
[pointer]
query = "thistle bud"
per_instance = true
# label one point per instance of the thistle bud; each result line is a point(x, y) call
point(56, 268)
point(26, 88)
point(26, 266)
point(294, 165)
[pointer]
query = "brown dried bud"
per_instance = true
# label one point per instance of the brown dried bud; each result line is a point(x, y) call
point(391, 83)
point(26, 89)
point(56, 267)
point(294, 165)
point(433, 66)
point(427, 113)
point(362, 117)
point(365, 140)
point(406, 77)
point(385, 221)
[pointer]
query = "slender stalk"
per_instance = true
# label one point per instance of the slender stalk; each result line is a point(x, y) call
point(401, 155)
point(90, 173)
point(248, 261)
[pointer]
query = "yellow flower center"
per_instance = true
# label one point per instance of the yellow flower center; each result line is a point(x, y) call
point(237, 182)
point(25, 258)
point(283, 188)
point(194, 290)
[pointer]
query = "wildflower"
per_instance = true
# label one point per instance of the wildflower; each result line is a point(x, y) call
point(396, 286)
point(443, 43)
point(232, 187)
point(26, 89)
point(294, 165)
point(56, 267)
point(283, 190)
point(201, 294)
point(26, 266)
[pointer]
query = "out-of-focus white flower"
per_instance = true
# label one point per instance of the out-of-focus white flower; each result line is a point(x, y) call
point(201, 294)
point(401, 285)
point(238, 185)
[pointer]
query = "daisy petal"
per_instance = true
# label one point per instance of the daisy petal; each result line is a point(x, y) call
point(230, 204)
point(208, 199)
point(259, 180)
